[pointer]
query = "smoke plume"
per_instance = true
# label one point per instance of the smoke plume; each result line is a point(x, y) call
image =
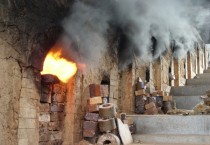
point(142, 22)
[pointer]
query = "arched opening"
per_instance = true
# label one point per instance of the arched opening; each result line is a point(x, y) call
point(105, 83)
point(147, 75)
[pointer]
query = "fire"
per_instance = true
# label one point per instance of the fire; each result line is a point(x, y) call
point(55, 64)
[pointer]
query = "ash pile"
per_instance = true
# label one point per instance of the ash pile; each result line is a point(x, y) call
point(101, 125)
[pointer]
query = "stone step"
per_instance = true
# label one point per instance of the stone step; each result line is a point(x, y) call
point(165, 144)
point(172, 124)
point(171, 138)
point(205, 75)
point(198, 81)
point(207, 71)
point(193, 90)
point(187, 102)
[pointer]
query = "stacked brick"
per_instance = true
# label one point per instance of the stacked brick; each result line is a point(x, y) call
point(100, 115)
point(51, 113)
point(90, 125)
point(150, 104)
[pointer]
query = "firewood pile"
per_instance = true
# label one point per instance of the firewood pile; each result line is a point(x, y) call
point(158, 102)
point(101, 125)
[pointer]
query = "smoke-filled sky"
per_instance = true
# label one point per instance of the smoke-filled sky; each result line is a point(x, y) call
point(182, 21)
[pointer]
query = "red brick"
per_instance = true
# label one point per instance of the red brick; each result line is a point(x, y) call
point(95, 100)
point(93, 108)
point(95, 90)
point(56, 116)
point(90, 125)
point(44, 107)
point(44, 137)
point(54, 126)
point(89, 133)
point(60, 98)
point(45, 98)
point(91, 116)
point(58, 107)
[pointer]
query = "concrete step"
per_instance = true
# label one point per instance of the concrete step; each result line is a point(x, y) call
point(187, 102)
point(171, 138)
point(193, 90)
point(172, 124)
point(166, 144)
point(207, 71)
point(205, 75)
point(198, 81)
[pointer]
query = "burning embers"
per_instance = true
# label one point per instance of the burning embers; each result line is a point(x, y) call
point(57, 65)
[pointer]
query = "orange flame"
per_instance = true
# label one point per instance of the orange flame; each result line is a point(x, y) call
point(56, 65)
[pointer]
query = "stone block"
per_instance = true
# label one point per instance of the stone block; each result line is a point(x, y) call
point(57, 89)
point(56, 142)
point(28, 113)
point(58, 107)
point(56, 136)
point(56, 116)
point(92, 116)
point(95, 100)
point(54, 126)
point(89, 133)
point(44, 117)
point(28, 103)
point(150, 105)
point(93, 108)
point(44, 107)
point(90, 125)
point(60, 98)
point(28, 123)
point(45, 98)
point(28, 83)
point(44, 137)
point(104, 90)
point(30, 93)
point(27, 133)
point(43, 126)
point(95, 90)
